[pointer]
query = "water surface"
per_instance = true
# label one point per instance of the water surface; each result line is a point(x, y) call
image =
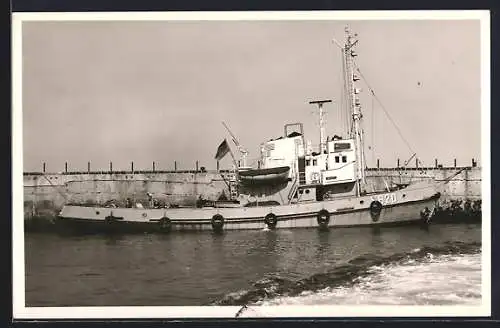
point(393, 265)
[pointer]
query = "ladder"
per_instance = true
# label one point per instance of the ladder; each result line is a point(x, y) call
point(233, 187)
point(302, 177)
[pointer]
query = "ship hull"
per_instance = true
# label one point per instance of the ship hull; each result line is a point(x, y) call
point(403, 206)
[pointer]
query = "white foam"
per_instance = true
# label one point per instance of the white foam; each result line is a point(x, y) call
point(435, 280)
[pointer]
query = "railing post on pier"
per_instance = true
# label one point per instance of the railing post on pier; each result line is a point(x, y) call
point(132, 166)
point(175, 165)
point(217, 166)
point(455, 162)
point(398, 163)
point(474, 163)
point(153, 166)
point(196, 166)
point(436, 163)
point(111, 167)
point(88, 167)
point(378, 163)
point(65, 167)
point(416, 163)
point(43, 169)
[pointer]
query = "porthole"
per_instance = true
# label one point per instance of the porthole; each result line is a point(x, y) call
point(404, 195)
point(97, 212)
point(361, 201)
point(301, 191)
point(307, 191)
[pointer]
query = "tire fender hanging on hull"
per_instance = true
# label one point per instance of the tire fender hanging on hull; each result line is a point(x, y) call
point(375, 210)
point(165, 224)
point(323, 218)
point(271, 220)
point(217, 222)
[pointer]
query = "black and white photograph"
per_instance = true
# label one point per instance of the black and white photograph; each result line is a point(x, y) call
point(251, 164)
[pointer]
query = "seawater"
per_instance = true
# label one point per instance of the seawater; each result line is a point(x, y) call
point(366, 266)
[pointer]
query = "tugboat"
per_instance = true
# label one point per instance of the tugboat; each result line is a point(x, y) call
point(293, 187)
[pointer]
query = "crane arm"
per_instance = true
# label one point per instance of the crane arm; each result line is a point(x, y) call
point(236, 142)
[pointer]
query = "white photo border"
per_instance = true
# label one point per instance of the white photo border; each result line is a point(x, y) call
point(20, 311)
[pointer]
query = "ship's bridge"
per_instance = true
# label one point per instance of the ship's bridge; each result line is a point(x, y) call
point(335, 165)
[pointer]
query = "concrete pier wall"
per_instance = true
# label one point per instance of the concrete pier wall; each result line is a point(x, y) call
point(46, 193)
point(465, 185)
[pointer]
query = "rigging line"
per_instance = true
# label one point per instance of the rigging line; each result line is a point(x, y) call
point(363, 154)
point(373, 133)
point(385, 111)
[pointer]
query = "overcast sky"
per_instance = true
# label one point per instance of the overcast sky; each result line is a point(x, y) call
point(158, 91)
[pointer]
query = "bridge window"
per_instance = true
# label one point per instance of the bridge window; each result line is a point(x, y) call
point(339, 146)
point(344, 159)
point(337, 159)
point(308, 162)
point(315, 162)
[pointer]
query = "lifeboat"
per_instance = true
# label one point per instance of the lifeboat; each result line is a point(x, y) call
point(263, 176)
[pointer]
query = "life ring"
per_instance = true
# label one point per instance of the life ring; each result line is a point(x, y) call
point(323, 218)
point(165, 224)
point(375, 210)
point(217, 222)
point(315, 176)
point(271, 220)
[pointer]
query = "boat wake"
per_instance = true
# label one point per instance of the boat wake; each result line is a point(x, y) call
point(444, 275)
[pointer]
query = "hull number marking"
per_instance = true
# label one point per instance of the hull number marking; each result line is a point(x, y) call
point(386, 199)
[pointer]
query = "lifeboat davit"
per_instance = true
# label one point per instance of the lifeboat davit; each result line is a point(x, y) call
point(263, 176)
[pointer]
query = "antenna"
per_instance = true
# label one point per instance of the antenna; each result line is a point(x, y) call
point(322, 141)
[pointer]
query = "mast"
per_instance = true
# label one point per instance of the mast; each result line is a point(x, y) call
point(322, 141)
point(354, 106)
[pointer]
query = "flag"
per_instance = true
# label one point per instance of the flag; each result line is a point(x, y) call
point(222, 150)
